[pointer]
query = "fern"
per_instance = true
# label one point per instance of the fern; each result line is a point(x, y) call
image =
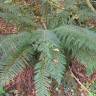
point(14, 50)
point(50, 65)
point(41, 80)
point(50, 50)
point(80, 42)
point(20, 46)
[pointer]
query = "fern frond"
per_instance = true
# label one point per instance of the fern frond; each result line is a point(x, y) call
point(80, 43)
point(41, 80)
point(17, 51)
point(14, 53)
point(51, 65)
point(56, 63)
point(22, 16)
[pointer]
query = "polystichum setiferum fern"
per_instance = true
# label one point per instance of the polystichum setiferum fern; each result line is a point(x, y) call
point(48, 50)
point(18, 50)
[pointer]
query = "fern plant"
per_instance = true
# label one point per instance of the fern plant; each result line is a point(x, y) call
point(47, 48)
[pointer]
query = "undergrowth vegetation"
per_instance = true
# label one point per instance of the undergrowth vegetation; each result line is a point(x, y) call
point(48, 47)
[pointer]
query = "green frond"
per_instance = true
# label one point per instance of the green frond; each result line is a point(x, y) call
point(51, 65)
point(41, 80)
point(53, 57)
point(55, 61)
point(79, 43)
point(47, 50)
point(14, 51)
point(18, 50)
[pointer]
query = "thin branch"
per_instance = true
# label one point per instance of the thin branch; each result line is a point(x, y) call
point(90, 5)
point(43, 24)
point(82, 86)
point(56, 5)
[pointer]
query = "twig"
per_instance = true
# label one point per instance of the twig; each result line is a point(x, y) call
point(43, 24)
point(90, 5)
point(82, 86)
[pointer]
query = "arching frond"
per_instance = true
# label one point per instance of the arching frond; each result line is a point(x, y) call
point(13, 56)
point(80, 43)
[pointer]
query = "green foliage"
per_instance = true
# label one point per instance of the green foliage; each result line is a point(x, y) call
point(13, 51)
point(16, 50)
point(2, 91)
point(50, 50)
point(80, 43)
point(91, 94)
